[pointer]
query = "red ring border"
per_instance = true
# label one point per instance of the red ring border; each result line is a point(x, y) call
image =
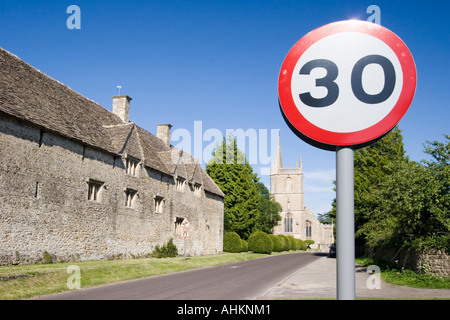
point(313, 132)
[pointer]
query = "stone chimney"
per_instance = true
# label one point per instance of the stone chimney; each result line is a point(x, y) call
point(121, 107)
point(163, 132)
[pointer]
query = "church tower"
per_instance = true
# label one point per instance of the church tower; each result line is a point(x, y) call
point(286, 185)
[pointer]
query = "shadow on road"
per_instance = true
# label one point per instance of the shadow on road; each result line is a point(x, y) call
point(320, 254)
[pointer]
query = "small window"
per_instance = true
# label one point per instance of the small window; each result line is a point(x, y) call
point(180, 184)
point(308, 229)
point(94, 188)
point(197, 190)
point(178, 222)
point(159, 202)
point(130, 198)
point(131, 165)
point(37, 189)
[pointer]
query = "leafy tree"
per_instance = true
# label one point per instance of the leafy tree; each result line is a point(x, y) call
point(413, 204)
point(269, 209)
point(372, 166)
point(234, 175)
point(326, 218)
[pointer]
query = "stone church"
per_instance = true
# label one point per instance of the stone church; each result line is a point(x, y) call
point(286, 185)
point(81, 182)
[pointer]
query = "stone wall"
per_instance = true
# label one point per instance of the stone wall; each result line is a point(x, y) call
point(431, 261)
point(44, 203)
point(436, 262)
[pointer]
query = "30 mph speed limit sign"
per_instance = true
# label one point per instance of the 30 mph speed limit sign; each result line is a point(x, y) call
point(346, 84)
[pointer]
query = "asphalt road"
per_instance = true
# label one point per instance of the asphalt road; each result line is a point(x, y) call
point(236, 281)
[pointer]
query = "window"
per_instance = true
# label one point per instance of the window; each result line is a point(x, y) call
point(197, 190)
point(159, 201)
point(94, 188)
point(130, 198)
point(180, 184)
point(178, 222)
point(131, 165)
point(37, 189)
point(288, 224)
point(308, 229)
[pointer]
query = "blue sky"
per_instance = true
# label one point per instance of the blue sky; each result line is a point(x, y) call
point(218, 62)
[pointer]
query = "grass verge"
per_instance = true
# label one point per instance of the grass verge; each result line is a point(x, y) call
point(405, 277)
point(43, 279)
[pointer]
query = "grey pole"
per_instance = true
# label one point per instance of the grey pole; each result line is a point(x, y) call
point(345, 224)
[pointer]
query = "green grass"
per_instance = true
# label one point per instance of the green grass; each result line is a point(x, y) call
point(52, 278)
point(405, 277)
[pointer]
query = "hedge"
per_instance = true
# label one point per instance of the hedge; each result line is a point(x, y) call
point(232, 242)
point(294, 243)
point(244, 245)
point(302, 245)
point(259, 242)
point(286, 242)
point(277, 243)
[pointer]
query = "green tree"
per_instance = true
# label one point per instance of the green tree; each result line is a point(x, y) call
point(269, 209)
point(231, 171)
point(326, 218)
point(413, 204)
point(372, 165)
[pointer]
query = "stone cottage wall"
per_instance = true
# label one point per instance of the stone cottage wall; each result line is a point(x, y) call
point(44, 203)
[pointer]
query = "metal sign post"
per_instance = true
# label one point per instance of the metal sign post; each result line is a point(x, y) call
point(184, 250)
point(185, 234)
point(345, 225)
point(342, 87)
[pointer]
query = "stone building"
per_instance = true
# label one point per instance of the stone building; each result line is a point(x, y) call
point(81, 182)
point(286, 185)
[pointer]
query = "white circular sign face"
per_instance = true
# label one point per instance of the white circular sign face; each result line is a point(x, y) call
point(346, 83)
point(347, 113)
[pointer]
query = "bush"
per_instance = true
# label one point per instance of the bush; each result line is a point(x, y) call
point(231, 242)
point(302, 245)
point(47, 258)
point(286, 242)
point(293, 243)
point(259, 242)
point(169, 250)
point(244, 245)
point(309, 243)
point(276, 242)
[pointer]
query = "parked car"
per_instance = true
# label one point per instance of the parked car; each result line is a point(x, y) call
point(332, 252)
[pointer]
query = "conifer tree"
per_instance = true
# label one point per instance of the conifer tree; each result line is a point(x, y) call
point(231, 171)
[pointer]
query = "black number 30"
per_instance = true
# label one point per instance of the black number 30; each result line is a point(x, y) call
point(356, 81)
